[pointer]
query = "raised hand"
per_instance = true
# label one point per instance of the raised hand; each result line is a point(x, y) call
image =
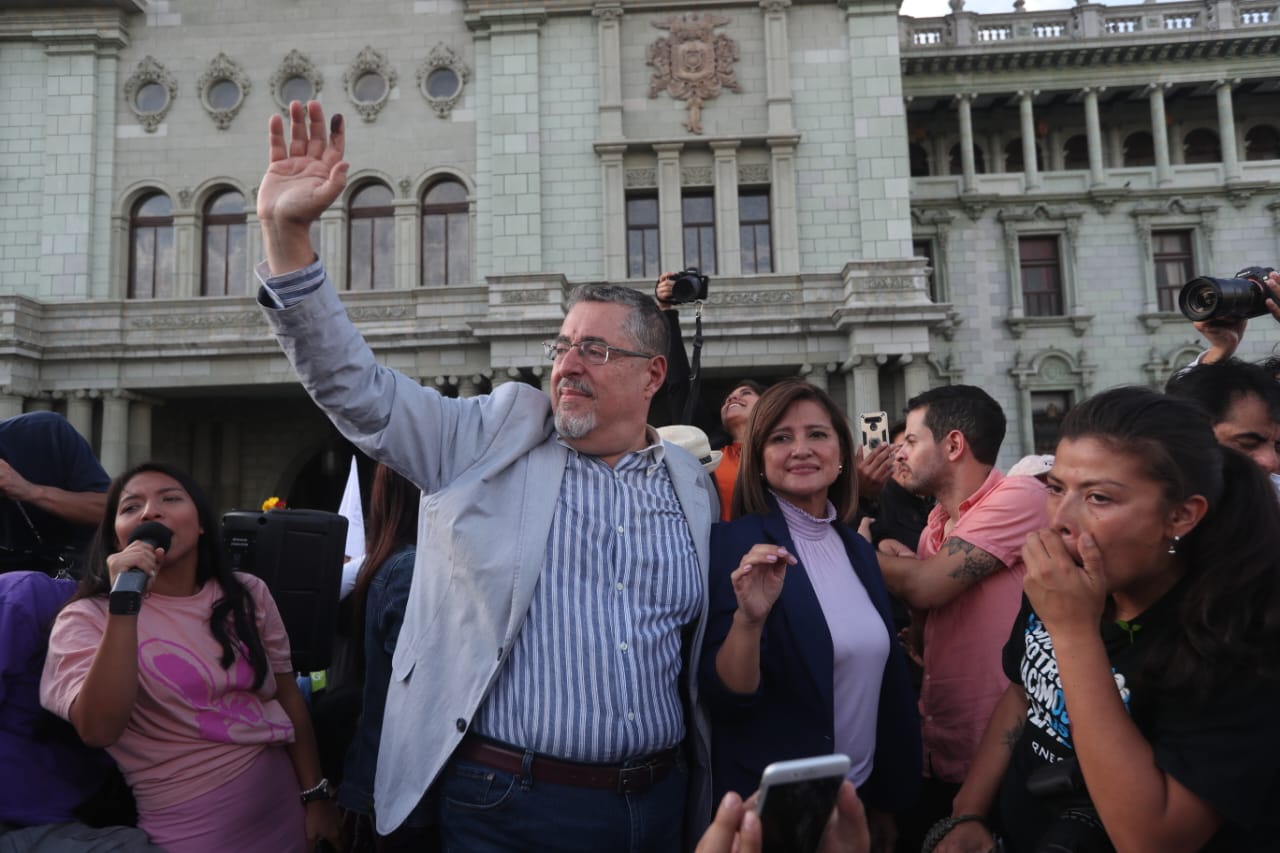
point(874, 467)
point(305, 174)
point(757, 582)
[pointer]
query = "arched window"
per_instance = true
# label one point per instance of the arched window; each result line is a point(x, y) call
point(919, 161)
point(1262, 142)
point(152, 254)
point(371, 239)
point(979, 160)
point(1202, 146)
point(446, 234)
point(225, 270)
point(1075, 153)
point(1139, 150)
point(1013, 156)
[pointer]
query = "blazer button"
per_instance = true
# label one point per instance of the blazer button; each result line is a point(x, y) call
point(461, 724)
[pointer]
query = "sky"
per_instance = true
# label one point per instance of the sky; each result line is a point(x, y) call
point(937, 8)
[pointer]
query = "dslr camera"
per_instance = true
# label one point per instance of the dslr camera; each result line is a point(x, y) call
point(689, 285)
point(1076, 827)
point(1239, 298)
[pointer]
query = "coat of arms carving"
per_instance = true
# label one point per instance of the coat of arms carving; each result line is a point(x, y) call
point(693, 63)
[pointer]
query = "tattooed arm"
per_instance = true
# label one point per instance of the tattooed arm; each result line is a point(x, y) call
point(930, 583)
point(982, 784)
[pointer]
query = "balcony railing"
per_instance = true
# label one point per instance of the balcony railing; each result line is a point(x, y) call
point(1089, 21)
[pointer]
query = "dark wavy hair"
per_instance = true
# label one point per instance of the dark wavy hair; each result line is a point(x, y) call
point(1229, 622)
point(750, 489)
point(966, 408)
point(392, 525)
point(233, 621)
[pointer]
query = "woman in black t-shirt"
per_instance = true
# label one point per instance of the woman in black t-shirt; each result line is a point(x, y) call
point(1153, 733)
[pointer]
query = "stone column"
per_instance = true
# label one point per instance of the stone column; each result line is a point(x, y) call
point(1029, 166)
point(613, 186)
point(728, 240)
point(815, 374)
point(782, 198)
point(202, 451)
point(1160, 133)
point(1093, 130)
point(187, 254)
point(502, 376)
point(39, 404)
point(670, 216)
point(915, 375)
point(609, 38)
point(114, 453)
point(864, 377)
point(1227, 130)
point(139, 444)
point(514, 130)
point(543, 375)
point(80, 413)
point(405, 225)
point(777, 52)
point(253, 252)
point(968, 169)
point(10, 404)
point(469, 385)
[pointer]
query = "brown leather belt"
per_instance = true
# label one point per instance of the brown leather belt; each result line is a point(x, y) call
point(634, 778)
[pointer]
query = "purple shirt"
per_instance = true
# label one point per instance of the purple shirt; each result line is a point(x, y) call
point(859, 641)
point(45, 771)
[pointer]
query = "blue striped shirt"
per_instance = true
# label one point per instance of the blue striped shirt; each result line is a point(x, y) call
point(594, 673)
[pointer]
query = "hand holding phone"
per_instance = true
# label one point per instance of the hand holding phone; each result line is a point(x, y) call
point(875, 429)
point(796, 799)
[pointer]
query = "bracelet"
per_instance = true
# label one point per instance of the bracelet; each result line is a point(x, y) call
point(939, 830)
point(321, 791)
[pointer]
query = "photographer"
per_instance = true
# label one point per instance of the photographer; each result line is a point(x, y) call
point(729, 432)
point(1143, 653)
point(1227, 333)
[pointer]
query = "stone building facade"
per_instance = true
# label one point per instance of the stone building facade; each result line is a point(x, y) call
point(886, 203)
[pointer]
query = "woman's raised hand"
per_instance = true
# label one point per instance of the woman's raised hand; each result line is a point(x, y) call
point(757, 582)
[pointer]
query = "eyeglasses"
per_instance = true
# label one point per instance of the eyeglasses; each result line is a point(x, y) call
point(592, 352)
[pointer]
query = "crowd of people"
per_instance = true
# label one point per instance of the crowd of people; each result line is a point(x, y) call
point(574, 632)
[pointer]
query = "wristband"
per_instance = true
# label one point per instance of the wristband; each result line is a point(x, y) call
point(321, 791)
point(939, 830)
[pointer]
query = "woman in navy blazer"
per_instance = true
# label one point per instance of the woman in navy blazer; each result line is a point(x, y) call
point(770, 666)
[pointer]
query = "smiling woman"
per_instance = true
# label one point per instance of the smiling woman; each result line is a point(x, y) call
point(831, 678)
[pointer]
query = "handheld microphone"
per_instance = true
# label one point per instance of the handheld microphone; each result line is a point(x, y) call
point(126, 593)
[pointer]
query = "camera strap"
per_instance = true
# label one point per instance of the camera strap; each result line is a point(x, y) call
point(695, 366)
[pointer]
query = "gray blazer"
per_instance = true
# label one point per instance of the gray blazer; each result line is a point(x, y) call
point(490, 470)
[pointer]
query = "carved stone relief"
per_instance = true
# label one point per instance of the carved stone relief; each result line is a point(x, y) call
point(369, 80)
point(697, 176)
point(223, 88)
point(441, 78)
point(753, 173)
point(296, 64)
point(149, 92)
point(638, 178)
point(693, 63)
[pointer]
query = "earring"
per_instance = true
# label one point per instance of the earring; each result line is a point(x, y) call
point(1173, 544)
point(840, 469)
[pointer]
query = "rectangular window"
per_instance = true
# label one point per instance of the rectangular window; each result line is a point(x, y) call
point(642, 237)
point(1174, 264)
point(699, 214)
point(755, 237)
point(924, 249)
point(1047, 410)
point(1041, 276)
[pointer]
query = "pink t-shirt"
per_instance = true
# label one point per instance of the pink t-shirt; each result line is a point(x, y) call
point(194, 725)
point(963, 640)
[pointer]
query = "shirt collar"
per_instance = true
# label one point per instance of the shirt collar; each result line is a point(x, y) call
point(653, 453)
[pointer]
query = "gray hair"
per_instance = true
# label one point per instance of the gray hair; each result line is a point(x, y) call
point(645, 325)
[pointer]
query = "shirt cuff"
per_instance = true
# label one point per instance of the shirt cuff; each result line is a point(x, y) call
point(285, 291)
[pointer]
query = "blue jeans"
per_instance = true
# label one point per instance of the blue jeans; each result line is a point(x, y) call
point(483, 810)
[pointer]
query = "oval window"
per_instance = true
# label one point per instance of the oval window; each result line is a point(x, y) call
point(296, 88)
point(151, 98)
point(443, 83)
point(224, 94)
point(369, 88)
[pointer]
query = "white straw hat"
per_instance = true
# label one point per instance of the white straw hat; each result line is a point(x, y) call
point(695, 441)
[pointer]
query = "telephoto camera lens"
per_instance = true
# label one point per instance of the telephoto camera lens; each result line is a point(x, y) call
point(1205, 298)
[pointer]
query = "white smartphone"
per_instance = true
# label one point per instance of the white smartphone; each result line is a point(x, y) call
point(875, 429)
point(796, 799)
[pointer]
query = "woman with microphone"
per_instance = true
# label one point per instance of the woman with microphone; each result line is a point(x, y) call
point(188, 686)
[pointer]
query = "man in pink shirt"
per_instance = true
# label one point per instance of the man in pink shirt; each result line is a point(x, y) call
point(964, 583)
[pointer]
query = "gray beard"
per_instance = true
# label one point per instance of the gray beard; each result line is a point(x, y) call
point(575, 426)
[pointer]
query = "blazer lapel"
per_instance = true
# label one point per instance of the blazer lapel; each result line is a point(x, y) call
point(802, 612)
point(543, 478)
